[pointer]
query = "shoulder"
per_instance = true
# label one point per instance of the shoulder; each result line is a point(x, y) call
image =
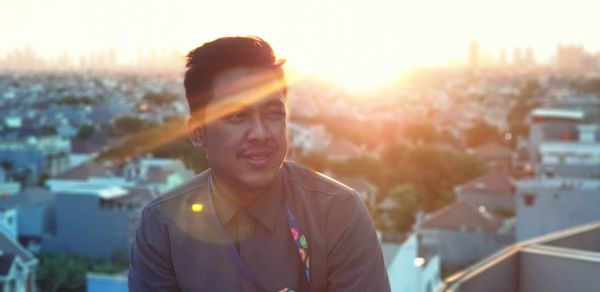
point(322, 192)
point(311, 180)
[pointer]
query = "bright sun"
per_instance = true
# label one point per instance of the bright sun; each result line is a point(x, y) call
point(358, 44)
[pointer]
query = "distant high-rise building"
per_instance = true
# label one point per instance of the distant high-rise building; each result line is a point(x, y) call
point(571, 58)
point(529, 58)
point(517, 57)
point(474, 54)
point(503, 57)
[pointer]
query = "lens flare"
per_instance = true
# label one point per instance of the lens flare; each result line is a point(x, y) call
point(197, 207)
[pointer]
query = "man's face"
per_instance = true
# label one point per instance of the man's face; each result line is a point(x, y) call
point(247, 145)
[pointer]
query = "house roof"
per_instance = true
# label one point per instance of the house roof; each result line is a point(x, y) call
point(94, 144)
point(492, 183)
point(22, 133)
point(460, 215)
point(493, 151)
point(87, 169)
point(9, 245)
point(553, 113)
point(6, 262)
point(135, 196)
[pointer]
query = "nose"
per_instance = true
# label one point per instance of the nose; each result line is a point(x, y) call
point(258, 131)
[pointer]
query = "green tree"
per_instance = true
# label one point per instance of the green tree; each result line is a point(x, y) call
point(314, 160)
point(130, 125)
point(65, 272)
point(49, 129)
point(160, 98)
point(85, 132)
point(481, 133)
point(77, 100)
point(421, 133)
point(61, 272)
point(433, 171)
point(517, 116)
point(407, 197)
point(194, 158)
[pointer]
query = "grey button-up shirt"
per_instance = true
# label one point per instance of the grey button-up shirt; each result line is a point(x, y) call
point(179, 249)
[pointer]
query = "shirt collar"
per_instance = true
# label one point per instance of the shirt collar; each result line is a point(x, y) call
point(264, 209)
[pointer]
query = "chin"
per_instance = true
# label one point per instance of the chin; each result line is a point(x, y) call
point(258, 180)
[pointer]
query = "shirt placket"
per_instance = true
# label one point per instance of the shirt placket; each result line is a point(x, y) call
point(247, 247)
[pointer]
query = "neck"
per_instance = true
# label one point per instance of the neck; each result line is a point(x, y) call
point(240, 197)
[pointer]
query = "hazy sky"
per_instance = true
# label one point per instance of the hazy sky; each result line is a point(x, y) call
point(326, 37)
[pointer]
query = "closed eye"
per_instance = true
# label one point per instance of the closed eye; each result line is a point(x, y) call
point(236, 117)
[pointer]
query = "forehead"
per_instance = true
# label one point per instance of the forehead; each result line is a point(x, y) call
point(256, 81)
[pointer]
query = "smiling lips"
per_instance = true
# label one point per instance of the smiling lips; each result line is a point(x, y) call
point(258, 158)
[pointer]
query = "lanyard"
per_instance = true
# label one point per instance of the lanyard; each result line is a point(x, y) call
point(295, 232)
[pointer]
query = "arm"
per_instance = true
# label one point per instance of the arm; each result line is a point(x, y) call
point(150, 267)
point(355, 261)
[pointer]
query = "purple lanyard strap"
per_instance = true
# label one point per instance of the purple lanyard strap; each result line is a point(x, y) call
point(295, 231)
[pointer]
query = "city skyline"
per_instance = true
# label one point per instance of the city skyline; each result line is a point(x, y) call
point(352, 42)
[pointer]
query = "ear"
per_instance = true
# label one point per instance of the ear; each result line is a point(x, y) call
point(195, 133)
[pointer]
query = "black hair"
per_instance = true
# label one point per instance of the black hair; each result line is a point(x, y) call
point(206, 62)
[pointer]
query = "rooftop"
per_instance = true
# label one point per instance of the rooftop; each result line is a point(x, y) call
point(87, 169)
point(461, 215)
point(567, 260)
point(493, 183)
point(492, 150)
point(9, 245)
point(554, 113)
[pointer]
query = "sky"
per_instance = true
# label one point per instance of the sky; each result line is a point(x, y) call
point(349, 40)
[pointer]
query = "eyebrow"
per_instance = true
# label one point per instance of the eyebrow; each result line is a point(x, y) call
point(275, 102)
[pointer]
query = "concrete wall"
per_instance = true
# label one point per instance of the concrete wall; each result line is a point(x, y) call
point(32, 221)
point(84, 227)
point(546, 273)
point(501, 277)
point(588, 241)
point(554, 209)
point(570, 170)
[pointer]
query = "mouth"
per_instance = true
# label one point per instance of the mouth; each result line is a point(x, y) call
point(258, 158)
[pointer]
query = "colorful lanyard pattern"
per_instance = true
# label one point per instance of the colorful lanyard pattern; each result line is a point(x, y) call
point(300, 240)
point(295, 231)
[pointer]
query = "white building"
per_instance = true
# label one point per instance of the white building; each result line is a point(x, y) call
point(545, 205)
point(17, 265)
point(308, 139)
point(410, 267)
point(160, 175)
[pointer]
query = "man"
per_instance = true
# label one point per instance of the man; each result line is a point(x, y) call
point(252, 222)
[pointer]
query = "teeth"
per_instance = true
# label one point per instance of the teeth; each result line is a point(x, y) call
point(257, 157)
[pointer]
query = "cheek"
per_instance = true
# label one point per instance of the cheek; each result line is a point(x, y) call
point(221, 136)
